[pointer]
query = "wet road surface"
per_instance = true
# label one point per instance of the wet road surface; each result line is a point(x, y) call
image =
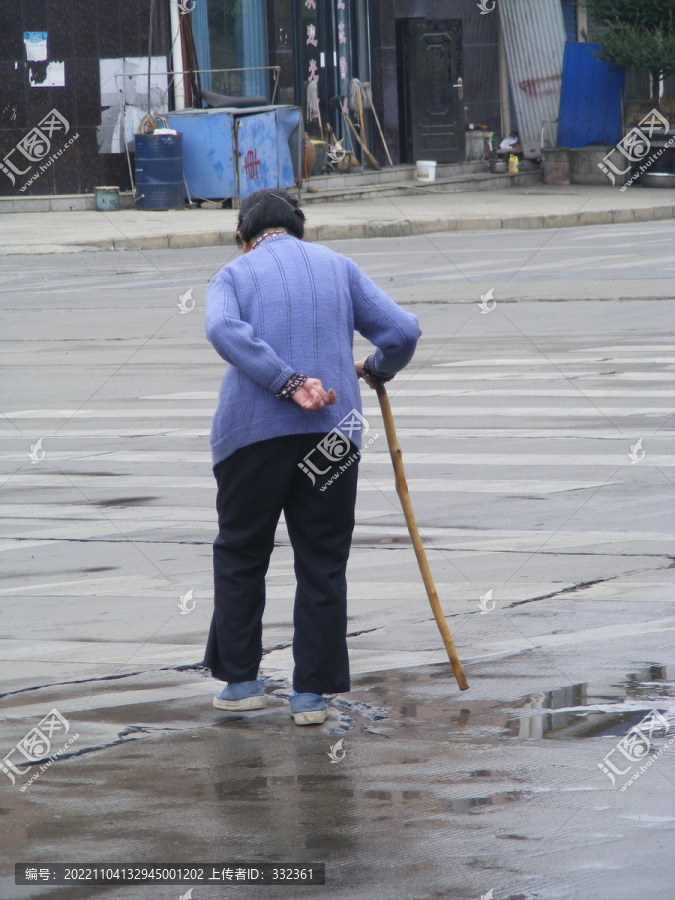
point(550, 544)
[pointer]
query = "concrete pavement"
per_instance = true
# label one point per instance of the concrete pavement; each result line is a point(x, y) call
point(550, 545)
point(542, 206)
point(616, 262)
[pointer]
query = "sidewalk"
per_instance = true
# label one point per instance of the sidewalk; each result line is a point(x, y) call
point(542, 206)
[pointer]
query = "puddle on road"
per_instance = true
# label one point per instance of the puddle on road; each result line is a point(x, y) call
point(467, 804)
point(586, 709)
point(124, 501)
point(366, 541)
point(419, 760)
point(646, 685)
point(393, 796)
point(80, 474)
point(258, 787)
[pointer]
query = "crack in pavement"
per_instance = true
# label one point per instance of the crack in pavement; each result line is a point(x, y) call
point(575, 587)
point(54, 684)
point(403, 543)
point(365, 631)
point(39, 687)
point(134, 733)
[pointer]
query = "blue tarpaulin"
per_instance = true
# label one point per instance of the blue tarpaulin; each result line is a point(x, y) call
point(590, 100)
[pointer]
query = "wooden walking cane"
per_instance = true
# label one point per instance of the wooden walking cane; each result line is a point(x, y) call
point(420, 553)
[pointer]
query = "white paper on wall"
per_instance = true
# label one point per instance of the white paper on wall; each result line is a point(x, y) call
point(54, 76)
point(124, 98)
point(36, 45)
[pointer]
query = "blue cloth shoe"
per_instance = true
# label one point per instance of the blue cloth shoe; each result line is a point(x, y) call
point(241, 695)
point(308, 709)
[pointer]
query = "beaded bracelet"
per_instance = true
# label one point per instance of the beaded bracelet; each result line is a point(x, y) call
point(291, 386)
point(367, 369)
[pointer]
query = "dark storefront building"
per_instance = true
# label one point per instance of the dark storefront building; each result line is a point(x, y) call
point(433, 65)
point(435, 68)
point(73, 36)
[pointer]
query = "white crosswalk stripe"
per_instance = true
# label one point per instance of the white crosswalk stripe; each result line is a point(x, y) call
point(587, 410)
point(460, 377)
point(458, 392)
point(544, 360)
point(207, 482)
point(158, 587)
point(124, 456)
point(175, 434)
point(126, 526)
point(533, 392)
point(633, 348)
point(361, 661)
point(373, 458)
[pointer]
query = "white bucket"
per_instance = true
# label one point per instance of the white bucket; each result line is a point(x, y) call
point(426, 170)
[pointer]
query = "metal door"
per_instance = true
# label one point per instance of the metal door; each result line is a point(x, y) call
point(256, 143)
point(435, 90)
point(209, 161)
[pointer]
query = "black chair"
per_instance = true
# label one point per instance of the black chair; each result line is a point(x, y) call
point(221, 101)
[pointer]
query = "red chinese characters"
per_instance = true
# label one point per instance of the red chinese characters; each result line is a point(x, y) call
point(251, 163)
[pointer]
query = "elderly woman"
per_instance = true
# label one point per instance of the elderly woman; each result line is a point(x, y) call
point(283, 316)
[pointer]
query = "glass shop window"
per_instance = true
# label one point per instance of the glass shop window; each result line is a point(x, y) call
point(238, 40)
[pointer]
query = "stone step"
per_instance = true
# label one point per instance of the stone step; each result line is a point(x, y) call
point(388, 175)
point(58, 202)
point(474, 182)
point(450, 177)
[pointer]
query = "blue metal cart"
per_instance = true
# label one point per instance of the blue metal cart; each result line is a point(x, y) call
point(230, 153)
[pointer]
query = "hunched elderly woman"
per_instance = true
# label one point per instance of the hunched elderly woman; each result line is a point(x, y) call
point(283, 316)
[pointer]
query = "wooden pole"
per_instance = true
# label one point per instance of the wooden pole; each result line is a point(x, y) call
point(369, 94)
point(344, 119)
point(420, 553)
point(318, 112)
point(365, 153)
point(363, 130)
point(152, 19)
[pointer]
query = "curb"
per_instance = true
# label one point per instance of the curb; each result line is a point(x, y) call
point(395, 228)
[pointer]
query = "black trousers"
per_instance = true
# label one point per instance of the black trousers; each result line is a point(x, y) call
point(254, 485)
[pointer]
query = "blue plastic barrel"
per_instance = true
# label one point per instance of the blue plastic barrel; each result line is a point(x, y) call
point(159, 171)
